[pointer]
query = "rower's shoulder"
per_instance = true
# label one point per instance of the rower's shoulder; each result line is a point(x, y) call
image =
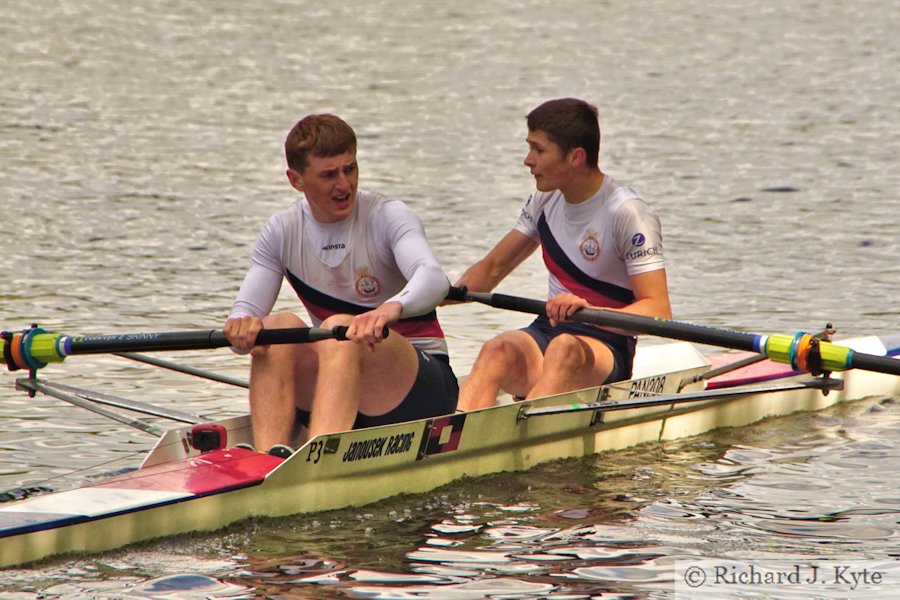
point(538, 201)
point(286, 218)
point(624, 199)
point(385, 208)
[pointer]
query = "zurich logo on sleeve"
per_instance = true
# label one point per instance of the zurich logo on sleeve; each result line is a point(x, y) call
point(638, 239)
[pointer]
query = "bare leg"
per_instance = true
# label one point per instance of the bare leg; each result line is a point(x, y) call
point(511, 362)
point(351, 379)
point(277, 378)
point(571, 363)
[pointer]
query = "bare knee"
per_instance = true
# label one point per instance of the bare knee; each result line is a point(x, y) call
point(568, 352)
point(579, 361)
point(498, 352)
point(282, 319)
point(286, 355)
point(510, 362)
point(340, 350)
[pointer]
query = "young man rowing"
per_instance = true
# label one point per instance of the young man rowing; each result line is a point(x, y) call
point(354, 258)
point(602, 246)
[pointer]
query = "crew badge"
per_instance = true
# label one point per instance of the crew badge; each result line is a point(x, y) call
point(367, 285)
point(590, 246)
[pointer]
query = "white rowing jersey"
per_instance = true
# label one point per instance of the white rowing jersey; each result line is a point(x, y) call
point(592, 248)
point(379, 253)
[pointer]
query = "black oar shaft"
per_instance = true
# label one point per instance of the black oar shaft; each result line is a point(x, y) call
point(195, 340)
point(879, 364)
point(796, 350)
point(146, 342)
point(688, 332)
point(33, 348)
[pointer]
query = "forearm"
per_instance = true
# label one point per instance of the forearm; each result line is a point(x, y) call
point(427, 287)
point(482, 277)
point(651, 296)
point(487, 273)
point(650, 307)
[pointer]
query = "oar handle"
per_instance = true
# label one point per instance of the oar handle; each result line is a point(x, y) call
point(458, 293)
point(302, 335)
point(298, 335)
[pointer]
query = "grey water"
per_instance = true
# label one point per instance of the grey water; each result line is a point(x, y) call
point(140, 152)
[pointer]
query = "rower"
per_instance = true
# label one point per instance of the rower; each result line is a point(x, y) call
point(355, 258)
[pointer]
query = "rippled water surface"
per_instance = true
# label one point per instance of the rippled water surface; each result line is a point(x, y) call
point(140, 146)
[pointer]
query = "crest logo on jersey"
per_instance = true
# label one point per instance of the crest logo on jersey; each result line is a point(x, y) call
point(590, 246)
point(367, 285)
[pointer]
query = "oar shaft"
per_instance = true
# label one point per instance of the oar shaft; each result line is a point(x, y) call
point(114, 401)
point(871, 362)
point(793, 350)
point(34, 347)
point(684, 397)
point(165, 364)
point(638, 323)
point(193, 340)
point(33, 385)
point(144, 342)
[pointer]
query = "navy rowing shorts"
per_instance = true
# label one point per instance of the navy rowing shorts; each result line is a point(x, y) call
point(622, 347)
point(434, 393)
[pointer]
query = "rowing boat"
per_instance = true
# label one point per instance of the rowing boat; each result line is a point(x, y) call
point(194, 479)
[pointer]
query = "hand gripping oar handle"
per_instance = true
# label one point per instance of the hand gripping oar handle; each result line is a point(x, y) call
point(802, 351)
point(33, 348)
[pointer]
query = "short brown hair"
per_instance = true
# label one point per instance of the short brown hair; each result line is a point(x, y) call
point(321, 135)
point(569, 123)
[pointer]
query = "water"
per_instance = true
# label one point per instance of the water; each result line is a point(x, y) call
point(141, 152)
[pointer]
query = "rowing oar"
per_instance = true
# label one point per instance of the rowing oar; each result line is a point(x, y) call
point(825, 334)
point(34, 385)
point(34, 347)
point(187, 370)
point(802, 351)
